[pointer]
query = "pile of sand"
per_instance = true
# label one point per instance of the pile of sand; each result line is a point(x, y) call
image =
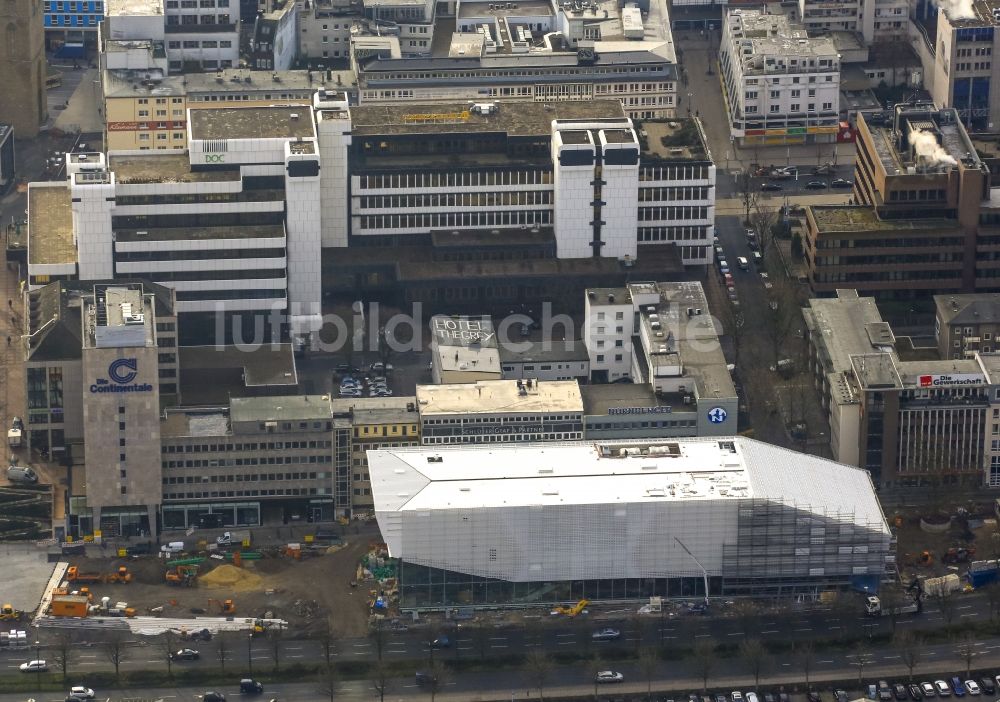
point(232, 578)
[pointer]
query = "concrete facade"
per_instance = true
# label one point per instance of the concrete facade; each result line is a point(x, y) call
point(22, 63)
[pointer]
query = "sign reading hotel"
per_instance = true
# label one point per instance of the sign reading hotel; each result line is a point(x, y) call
point(933, 381)
point(463, 331)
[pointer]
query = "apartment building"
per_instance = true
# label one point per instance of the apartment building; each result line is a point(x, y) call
point(825, 16)
point(325, 29)
point(71, 22)
point(910, 421)
point(891, 20)
point(147, 101)
point(55, 392)
point(781, 86)
point(924, 220)
point(964, 324)
point(275, 42)
point(659, 341)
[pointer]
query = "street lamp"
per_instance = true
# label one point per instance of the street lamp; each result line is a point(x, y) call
point(250, 653)
point(38, 665)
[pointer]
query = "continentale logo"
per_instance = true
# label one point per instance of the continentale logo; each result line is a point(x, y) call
point(121, 374)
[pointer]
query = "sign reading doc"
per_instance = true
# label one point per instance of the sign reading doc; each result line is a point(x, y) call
point(215, 158)
point(933, 381)
point(122, 373)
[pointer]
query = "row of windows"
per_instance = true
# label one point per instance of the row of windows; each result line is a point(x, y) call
point(206, 44)
point(578, 72)
point(220, 275)
point(264, 461)
point(673, 172)
point(450, 220)
point(263, 446)
point(276, 492)
point(673, 194)
point(459, 179)
point(193, 4)
point(908, 195)
point(207, 295)
point(246, 97)
point(647, 234)
point(71, 20)
point(503, 438)
point(242, 477)
point(82, 6)
point(207, 254)
point(175, 21)
point(383, 430)
point(903, 242)
point(658, 214)
point(664, 424)
point(474, 199)
point(504, 419)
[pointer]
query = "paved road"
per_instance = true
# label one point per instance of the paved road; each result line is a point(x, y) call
point(935, 661)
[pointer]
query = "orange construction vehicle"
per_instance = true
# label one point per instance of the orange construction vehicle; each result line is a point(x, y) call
point(74, 575)
point(7, 612)
point(185, 575)
point(121, 576)
point(225, 606)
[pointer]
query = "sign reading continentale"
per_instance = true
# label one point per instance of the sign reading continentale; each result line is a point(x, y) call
point(122, 373)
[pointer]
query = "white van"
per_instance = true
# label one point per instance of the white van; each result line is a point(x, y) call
point(744, 264)
point(21, 474)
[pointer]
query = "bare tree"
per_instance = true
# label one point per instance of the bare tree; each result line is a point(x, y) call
point(481, 638)
point(116, 650)
point(327, 642)
point(764, 219)
point(222, 648)
point(861, 658)
point(274, 637)
point(755, 655)
point(807, 656)
point(328, 682)
point(946, 604)
point(648, 663)
point(783, 314)
point(538, 668)
point(749, 196)
point(168, 642)
point(437, 678)
point(967, 652)
point(910, 648)
point(891, 600)
point(63, 647)
point(704, 656)
point(380, 678)
point(746, 612)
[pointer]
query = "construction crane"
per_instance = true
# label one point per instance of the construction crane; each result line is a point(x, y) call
point(704, 573)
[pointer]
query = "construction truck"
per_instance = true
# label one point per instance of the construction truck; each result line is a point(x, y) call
point(874, 608)
point(958, 554)
point(233, 538)
point(74, 575)
point(15, 435)
point(225, 606)
point(8, 613)
point(183, 575)
point(69, 606)
point(655, 606)
point(120, 576)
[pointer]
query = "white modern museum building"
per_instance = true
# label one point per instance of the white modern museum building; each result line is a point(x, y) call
point(557, 522)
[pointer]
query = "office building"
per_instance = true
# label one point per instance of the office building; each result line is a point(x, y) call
point(540, 524)
point(464, 350)
point(22, 63)
point(500, 411)
point(55, 387)
point(211, 222)
point(543, 51)
point(256, 460)
point(71, 24)
point(659, 340)
point(143, 103)
point(964, 324)
point(781, 86)
point(924, 215)
point(556, 359)
point(823, 17)
point(910, 419)
point(325, 31)
point(121, 408)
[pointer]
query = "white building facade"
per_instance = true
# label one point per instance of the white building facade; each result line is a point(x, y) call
point(781, 86)
point(631, 520)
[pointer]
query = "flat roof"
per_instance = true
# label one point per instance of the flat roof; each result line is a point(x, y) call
point(214, 374)
point(281, 408)
point(463, 330)
point(252, 123)
point(588, 473)
point(672, 139)
point(50, 225)
point(165, 167)
point(177, 424)
point(599, 399)
point(240, 80)
point(132, 8)
point(515, 119)
point(971, 309)
point(378, 410)
point(859, 218)
point(553, 351)
point(483, 8)
point(839, 327)
point(499, 397)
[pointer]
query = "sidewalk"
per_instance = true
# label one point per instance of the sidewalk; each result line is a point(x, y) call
point(83, 112)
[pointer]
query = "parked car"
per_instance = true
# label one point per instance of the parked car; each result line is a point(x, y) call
point(813, 696)
point(609, 676)
point(928, 689)
point(37, 666)
point(899, 690)
point(752, 697)
point(213, 697)
point(987, 686)
point(816, 185)
point(972, 687)
point(737, 696)
point(841, 183)
point(81, 691)
point(606, 635)
point(840, 696)
point(884, 691)
point(916, 694)
point(185, 654)
point(752, 245)
point(958, 686)
point(942, 689)
point(249, 686)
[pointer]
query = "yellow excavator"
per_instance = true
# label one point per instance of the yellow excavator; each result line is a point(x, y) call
point(574, 610)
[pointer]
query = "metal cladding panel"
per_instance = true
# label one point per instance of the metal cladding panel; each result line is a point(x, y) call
point(569, 542)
